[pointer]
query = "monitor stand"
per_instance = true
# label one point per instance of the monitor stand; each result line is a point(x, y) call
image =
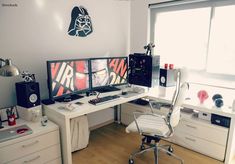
point(107, 89)
point(69, 98)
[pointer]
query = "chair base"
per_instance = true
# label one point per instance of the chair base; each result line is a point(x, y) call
point(147, 145)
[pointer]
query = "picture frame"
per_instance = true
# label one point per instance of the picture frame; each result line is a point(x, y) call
point(3, 112)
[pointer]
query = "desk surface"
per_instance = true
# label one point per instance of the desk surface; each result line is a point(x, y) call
point(208, 107)
point(37, 128)
point(87, 108)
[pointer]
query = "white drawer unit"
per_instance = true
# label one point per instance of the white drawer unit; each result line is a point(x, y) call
point(206, 131)
point(127, 112)
point(40, 156)
point(203, 146)
point(193, 133)
point(42, 146)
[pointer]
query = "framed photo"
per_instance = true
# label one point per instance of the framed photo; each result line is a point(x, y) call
point(12, 110)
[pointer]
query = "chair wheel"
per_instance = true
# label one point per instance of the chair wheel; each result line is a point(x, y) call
point(131, 161)
point(142, 147)
point(170, 149)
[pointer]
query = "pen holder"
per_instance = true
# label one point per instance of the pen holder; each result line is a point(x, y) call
point(11, 120)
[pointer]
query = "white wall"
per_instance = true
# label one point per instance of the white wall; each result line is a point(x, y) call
point(36, 31)
point(139, 24)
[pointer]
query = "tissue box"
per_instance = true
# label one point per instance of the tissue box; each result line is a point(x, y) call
point(30, 114)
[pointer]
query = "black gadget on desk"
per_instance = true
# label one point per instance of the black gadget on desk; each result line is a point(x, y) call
point(144, 70)
point(220, 120)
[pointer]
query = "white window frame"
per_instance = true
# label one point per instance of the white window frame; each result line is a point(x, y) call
point(202, 76)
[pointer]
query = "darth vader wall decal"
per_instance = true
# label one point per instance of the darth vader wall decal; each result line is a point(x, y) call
point(80, 24)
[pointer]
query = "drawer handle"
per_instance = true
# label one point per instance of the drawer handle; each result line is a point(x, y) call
point(190, 126)
point(33, 159)
point(190, 139)
point(30, 144)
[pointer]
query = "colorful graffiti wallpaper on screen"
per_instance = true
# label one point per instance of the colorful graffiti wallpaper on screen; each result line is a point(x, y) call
point(99, 72)
point(108, 71)
point(68, 77)
point(117, 71)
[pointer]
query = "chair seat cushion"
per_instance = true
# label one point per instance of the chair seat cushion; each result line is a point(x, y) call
point(149, 124)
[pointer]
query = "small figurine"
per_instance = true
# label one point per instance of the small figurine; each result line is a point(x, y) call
point(149, 48)
point(27, 77)
point(202, 96)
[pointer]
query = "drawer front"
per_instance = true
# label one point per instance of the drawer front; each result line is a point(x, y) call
point(29, 146)
point(202, 146)
point(44, 156)
point(213, 135)
point(126, 119)
point(127, 112)
point(55, 161)
point(130, 108)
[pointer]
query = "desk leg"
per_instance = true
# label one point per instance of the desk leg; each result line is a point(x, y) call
point(66, 142)
point(117, 114)
point(65, 134)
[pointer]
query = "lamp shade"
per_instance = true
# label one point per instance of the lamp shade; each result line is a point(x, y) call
point(8, 69)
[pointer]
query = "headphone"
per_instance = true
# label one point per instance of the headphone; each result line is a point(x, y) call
point(218, 100)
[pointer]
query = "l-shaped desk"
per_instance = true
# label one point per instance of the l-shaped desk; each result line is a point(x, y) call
point(62, 117)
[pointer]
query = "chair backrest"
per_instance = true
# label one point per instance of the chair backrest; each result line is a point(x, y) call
point(174, 114)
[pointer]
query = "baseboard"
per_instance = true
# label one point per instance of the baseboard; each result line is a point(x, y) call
point(101, 125)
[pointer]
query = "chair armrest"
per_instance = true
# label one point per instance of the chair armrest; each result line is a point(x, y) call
point(152, 103)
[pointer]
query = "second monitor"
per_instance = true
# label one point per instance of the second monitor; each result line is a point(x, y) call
point(108, 72)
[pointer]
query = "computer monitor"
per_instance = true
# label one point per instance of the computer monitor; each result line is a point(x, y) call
point(110, 71)
point(67, 77)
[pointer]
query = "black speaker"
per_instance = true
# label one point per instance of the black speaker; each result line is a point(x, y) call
point(143, 70)
point(28, 94)
point(166, 78)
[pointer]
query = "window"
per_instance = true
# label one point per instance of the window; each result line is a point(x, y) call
point(197, 35)
point(184, 40)
point(221, 56)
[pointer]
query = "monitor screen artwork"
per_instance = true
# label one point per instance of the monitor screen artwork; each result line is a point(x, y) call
point(109, 71)
point(67, 77)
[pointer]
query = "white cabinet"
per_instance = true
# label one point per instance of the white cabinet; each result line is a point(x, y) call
point(127, 112)
point(193, 133)
point(201, 136)
point(42, 146)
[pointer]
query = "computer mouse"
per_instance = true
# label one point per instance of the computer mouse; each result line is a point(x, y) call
point(124, 93)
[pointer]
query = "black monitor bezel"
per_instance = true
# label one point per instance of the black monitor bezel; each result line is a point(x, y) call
point(49, 79)
point(98, 87)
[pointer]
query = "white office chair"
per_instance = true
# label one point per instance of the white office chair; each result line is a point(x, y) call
point(153, 127)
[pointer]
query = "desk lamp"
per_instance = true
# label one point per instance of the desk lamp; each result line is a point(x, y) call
point(8, 69)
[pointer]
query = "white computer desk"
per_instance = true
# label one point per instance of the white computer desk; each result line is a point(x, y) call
point(62, 117)
point(208, 107)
